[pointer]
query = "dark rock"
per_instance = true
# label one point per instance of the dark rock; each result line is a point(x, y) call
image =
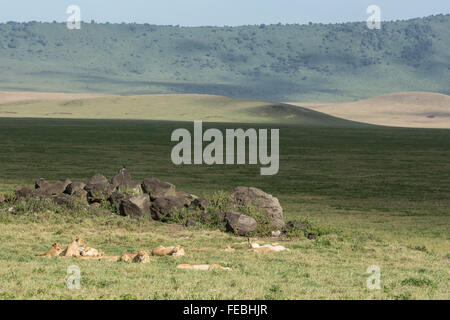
point(74, 187)
point(98, 188)
point(65, 200)
point(221, 216)
point(191, 223)
point(81, 195)
point(131, 188)
point(311, 236)
point(41, 184)
point(55, 188)
point(186, 197)
point(240, 224)
point(122, 178)
point(158, 189)
point(200, 204)
point(24, 193)
point(163, 208)
point(206, 217)
point(268, 203)
point(96, 179)
point(115, 199)
point(135, 206)
point(99, 192)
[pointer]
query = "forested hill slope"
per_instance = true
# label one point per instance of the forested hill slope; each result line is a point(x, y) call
point(316, 62)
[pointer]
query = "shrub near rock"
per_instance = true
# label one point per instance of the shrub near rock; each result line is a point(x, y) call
point(268, 203)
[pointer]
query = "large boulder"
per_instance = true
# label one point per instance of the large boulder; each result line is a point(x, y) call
point(99, 193)
point(97, 179)
point(240, 224)
point(98, 188)
point(164, 207)
point(53, 189)
point(268, 203)
point(157, 188)
point(135, 206)
point(122, 178)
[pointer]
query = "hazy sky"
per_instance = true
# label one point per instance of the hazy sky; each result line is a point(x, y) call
point(218, 12)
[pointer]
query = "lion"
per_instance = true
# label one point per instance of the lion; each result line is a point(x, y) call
point(228, 249)
point(163, 251)
point(128, 257)
point(91, 252)
point(178, 251)
point(142, 257)
point(267, 248)
point(201, 267)
point(74, 249)
point(54, 251)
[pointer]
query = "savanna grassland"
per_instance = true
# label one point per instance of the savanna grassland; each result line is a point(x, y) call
point(381, 196)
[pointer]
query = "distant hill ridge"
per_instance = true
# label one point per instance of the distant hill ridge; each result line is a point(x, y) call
point(317, 62)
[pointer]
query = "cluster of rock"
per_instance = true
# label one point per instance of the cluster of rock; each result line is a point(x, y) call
point(157, 199)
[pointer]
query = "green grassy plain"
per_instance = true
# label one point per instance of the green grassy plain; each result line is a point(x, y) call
point(383, 191)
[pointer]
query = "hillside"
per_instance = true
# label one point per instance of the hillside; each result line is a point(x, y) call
point(186, 107)
point(404, 109)
point(316, 62)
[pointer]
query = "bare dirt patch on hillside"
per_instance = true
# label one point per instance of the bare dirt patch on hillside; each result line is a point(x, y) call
point(402, 109)
point(14, 96)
